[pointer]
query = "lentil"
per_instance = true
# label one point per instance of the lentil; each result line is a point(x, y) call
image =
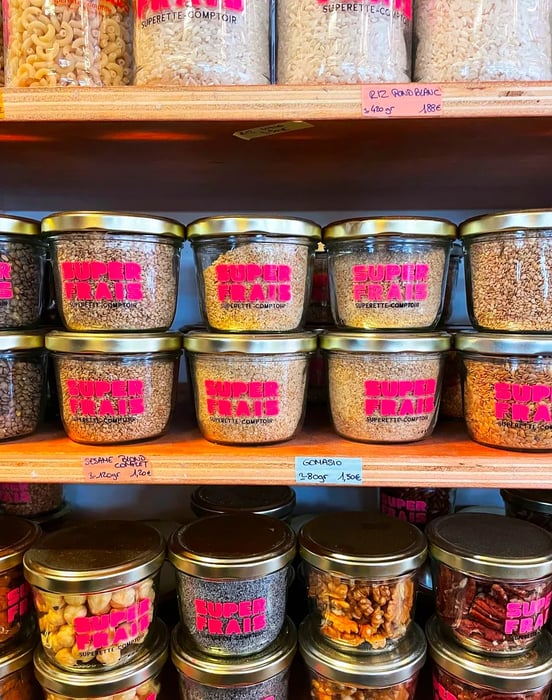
point(22, 376)
point(30, 499)
point(21, 271)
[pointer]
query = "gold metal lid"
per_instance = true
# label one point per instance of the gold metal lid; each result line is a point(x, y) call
point(506, 344)
point(276, 501)
point(507, 221)
point(18, 225)
point(379, 670)
point(387, 226)
point(362, 544)
point(95, 557)
point(536, 500)
point(385, 342)
point(23, 340)
point(250, 225)
point(117, 343)
point(16, 654)
point(89, 682)
point(112, 222)
point(505, 674)
point(249, 343)
point(233, 671)
point(16, 536)
point(240, 546)
point(491, 545)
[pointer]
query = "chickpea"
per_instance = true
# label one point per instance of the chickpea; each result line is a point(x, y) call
point(145, 590)
point(66, 636)
point(123, 598)
point(83, 655)
point(109, 656)
point(128, 695)
point(75, 600)
point(147, 688)
point(71, 612)
point(99, 603)
point(53, 620)
point(65, 658)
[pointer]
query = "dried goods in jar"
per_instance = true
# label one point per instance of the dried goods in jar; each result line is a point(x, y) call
point(17, 681)
point(416, 505)
point(533, 505)
point(323, 689)
point(28, 499)
point(319, 311)
point(452, 405)
point(211, 499)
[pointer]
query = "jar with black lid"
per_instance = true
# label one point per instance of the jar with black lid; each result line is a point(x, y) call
point(534, 505)
point(276, 501)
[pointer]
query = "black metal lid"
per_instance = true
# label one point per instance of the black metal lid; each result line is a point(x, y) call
point(276, 501)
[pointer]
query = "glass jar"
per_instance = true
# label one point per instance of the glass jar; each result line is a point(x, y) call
point(384, 387)
point(138, 680)
point(276, 501)
point(482, 41)
point(388, 274)
point(114, 387)
point(455, 307)
point(17, 681)
point(418, 506)
point(452, 403)
point(1, 48)
point(323, 42)
point(114, 272)
point(493, 580)
point(253, 275)
point(506, 388)
point(317, 386)
point(361, 573)
point(249, 389)
point(95, 601)
point(509, 271)
point(30, 499)
point(22, 382)
point(319, 311)
point(22, 262)
point(232, 575)
point(460, 674)
point(261, 675)
point(391, 675)
point(533, 505)
point(16, 614)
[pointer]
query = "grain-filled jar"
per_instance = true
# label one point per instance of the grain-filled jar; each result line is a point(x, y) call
point(391, 675)
point(30, 499)
point(461, 675)
point(16, 610)
point(452, 405)
point(507, 390)
point(95, 601)
point(509, 271)
point(17, 681)
point(232, 574)
point(533, 505)
point(418, 506)
point(253, 274)
point(264, 675)
point(455, 307)
point(276, 501)
point(361, 576)
point(492, 579)
point(388, 273)
point(249, 389)
point(384, 387)
point(114, 271)
point(319, 311)
point(115, 387)
point(138, 680)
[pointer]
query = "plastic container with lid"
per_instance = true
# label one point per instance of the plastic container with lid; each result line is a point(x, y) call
point(533, 505)
point(388, 273)
point(17, 681)
point(493, 580)
point(384, 387)
point(30, 499)
point(361, 575)
point(249, 389)
point(264, 675)
point(232, 575)
point(418, 506)
point(138, 680)
point(458, 673)
point(391, 675)
point(114, 271)
point(507, 390)
point(509, 271)
point(22, 262)
point(115, 387)
point(16, 610)
point(254, 274)
point(276, 501)
point(95, 601)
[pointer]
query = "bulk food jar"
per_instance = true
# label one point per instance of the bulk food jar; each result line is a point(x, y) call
point(115, 387)
point(533, 505)
point(418, 506)
point(276, 501)
point(253, 275)
point(384, 387)
point(361, 577)
point(17, 681)
point(388, 273)
point(492, 579)
point(30, 499)
point(95, 602)
point(232, 574)
point(114, 271)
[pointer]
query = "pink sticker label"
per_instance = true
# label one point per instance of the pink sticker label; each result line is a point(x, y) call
point(102, 398)
point(242, 399)
point(15, 493)
point(400, 398)
point(116, 628)
point(93, 280)
point(401, 100)
point(440, 692)
point(229, 619)
point(18, 602)
point(410, 510)
point(254, 285)
point(523, 403)
point(390, 283)
point(6, 288)
point(527, 617)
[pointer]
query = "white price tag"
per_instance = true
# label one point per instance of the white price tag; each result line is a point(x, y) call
point(334, 471)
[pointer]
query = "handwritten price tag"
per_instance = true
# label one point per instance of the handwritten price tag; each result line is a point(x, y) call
point(388, 101)
point(110, 469)
point(335, 471)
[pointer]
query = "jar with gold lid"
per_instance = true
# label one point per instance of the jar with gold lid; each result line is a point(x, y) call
point(17, 681)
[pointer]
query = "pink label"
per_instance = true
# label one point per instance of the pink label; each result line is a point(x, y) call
point(6, 288)
point(116, 628)
point(92, 280)
point(229, 619)
point(403, 7)
point(18, 601)
point(242, 399)
point(254, 284)
point(440, 692)
point(411, 511)
point(390, 283)
point(400, 398)
point(522, 403)
point(102, 398)
point(204, 9)
point(151, 696)
point(527, 617)
point(14, 493)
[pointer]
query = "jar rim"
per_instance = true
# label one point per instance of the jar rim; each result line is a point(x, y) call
point(223, 226)
point(504, 343)
point(211, 499)
point(16, 536)
point(502, 222)
point(250, 343)
point(16, 654)
point(116, 343)
point(21, 340)
point(18, 225)
point(67, 222)
point(537, 500)
point(417, 226)
point(355, 341)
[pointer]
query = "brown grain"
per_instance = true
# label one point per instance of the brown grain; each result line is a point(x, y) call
point(21, 393)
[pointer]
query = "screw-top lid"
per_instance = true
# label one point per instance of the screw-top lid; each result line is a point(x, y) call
point(491, 545)
point(16, 654)
point(95, 557)
point(361, 544)
point(385, 342)
point(251, 225)
point(18, 225)
point(16, 536)
point(507, 221)
point(23, 340)
point(250, 343)
point(276, 501)
point(389, 225)
point(112, 222)
point(536, 500)
point(116, 343)
point(506, 344)
point(238, 546)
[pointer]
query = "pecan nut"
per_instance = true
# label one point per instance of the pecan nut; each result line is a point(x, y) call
point(447, 687)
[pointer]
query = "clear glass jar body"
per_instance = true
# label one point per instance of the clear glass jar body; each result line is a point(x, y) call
point(451, 405)
point(384, 397)
point(455, 307)
point(388, 282)
point(149, 690)
point(112, 398)
point(319, 312)
point(115, 282)
point(22, 262)
point(19, 685)
point(483, 40)
point(28, 499)
point(234, 410)
point(22, 386)
point(322, 42)
point(446, 685)
point(418, 506)
point(16, 609)
point(322, 688)
point(521, 508)
point(275, 688)
point(317, 390)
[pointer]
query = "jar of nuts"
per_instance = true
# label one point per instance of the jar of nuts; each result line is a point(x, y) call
point(319, 312)
point(361, 574)
point(17, 681)
point(492, 579)
point(391, 675)
point(95, 601)
point(533, 505)
point(418, 506)
point(276, 501)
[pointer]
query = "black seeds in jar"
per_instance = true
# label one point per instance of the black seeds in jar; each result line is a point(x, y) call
point(274, 688)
